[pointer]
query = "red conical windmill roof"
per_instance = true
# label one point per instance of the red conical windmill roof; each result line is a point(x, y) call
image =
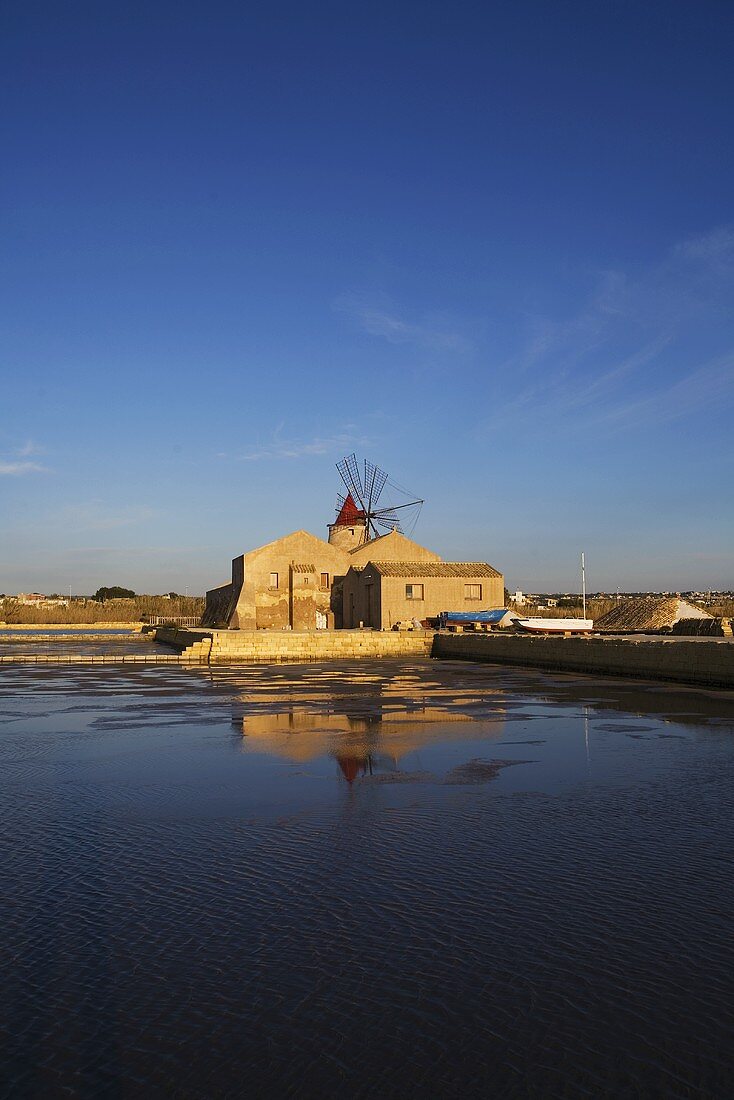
point(349, 513)
point(351, 767)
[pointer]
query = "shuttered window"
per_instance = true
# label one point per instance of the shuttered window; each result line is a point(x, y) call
point(472, 591)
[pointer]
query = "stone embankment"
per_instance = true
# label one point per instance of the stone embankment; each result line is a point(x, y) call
point(275, 647)
point(701, 661)
point(55, 629)
point(90, 659)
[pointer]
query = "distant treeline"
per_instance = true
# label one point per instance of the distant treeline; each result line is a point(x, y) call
point(722, 608)
point(112, 610)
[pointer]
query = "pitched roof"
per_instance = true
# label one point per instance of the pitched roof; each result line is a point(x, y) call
point(434, 569)
point(394, 542)
point(349, 513)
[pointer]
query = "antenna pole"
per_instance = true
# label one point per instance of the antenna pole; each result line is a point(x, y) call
point(583, 582)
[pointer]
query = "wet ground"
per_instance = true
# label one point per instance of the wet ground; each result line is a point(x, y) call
point(370, 879)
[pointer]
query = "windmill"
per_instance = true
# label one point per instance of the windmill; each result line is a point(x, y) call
point(365, 504)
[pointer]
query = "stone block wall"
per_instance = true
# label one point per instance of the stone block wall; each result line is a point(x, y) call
point(704, 662)
point(290, 646)
point(230, 646)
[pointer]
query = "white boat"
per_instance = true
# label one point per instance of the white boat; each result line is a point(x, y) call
point(555, 626)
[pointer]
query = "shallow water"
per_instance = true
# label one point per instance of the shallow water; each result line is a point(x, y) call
point(68, 642)
point(367, 879)
point(63, 629)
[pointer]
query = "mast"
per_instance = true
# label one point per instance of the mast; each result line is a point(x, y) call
point(583, 582)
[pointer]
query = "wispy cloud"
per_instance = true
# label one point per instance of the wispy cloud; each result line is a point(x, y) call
point(19, 469)
point(98, 516)
point(714, 246)
point(279, 447)
point(14, 463)
point(387, 324)
point(126, 552)
point(656, 345)
point(704, 388)
point(30, 447)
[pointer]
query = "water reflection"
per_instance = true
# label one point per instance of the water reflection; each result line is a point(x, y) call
point(435, 721)
point(190, 900)
point(377, 730)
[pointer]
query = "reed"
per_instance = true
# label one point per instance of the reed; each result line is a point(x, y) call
point(595, 608)
point(90, 611)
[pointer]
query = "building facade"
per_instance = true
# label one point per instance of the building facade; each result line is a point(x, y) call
point(301, 582)
point(383, 593)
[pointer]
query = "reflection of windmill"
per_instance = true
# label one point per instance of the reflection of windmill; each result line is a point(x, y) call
point(364, 504)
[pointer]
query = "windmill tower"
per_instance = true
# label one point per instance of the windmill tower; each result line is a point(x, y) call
point(364, 514)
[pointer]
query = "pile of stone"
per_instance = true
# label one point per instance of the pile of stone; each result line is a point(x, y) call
point(703, 628)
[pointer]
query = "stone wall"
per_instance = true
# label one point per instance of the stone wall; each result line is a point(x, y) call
point(380, 601)
point(702, 628)
point(704, 662)
point(439, 594)
point(231, 646)
point(220, 605)
point(283, 583)
point(296, 581)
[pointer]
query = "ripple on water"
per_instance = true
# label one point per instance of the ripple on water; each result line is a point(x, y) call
point(183, 915)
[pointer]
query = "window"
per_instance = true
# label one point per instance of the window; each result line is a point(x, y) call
point(472, 591)
point(273, 580)
point(414, 591)
point(324, 580)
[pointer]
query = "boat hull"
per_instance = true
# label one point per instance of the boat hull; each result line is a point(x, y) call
point(555, 626)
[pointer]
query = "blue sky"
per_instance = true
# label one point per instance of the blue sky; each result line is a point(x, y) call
point(488, 246)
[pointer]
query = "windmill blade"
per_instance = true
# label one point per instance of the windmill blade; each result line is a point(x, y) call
point(388, 518)
point(340, 502)
point(365, 490)
point(369, 484)
point(376, 478)
point(349, 473)
point(397, 507)
point(416, 517)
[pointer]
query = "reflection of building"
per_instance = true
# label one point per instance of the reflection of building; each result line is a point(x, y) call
point(297, 581)
point(367, 730)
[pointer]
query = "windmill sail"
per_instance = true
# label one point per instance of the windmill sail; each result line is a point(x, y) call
point(364, 502)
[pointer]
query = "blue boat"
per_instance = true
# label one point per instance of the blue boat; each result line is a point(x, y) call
point(484, 618)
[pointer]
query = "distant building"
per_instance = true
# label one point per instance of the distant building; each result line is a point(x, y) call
point(37, 599)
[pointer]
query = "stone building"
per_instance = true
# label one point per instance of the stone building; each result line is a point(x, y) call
point(286, 583)
point(297, 582)
point(383, 593)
